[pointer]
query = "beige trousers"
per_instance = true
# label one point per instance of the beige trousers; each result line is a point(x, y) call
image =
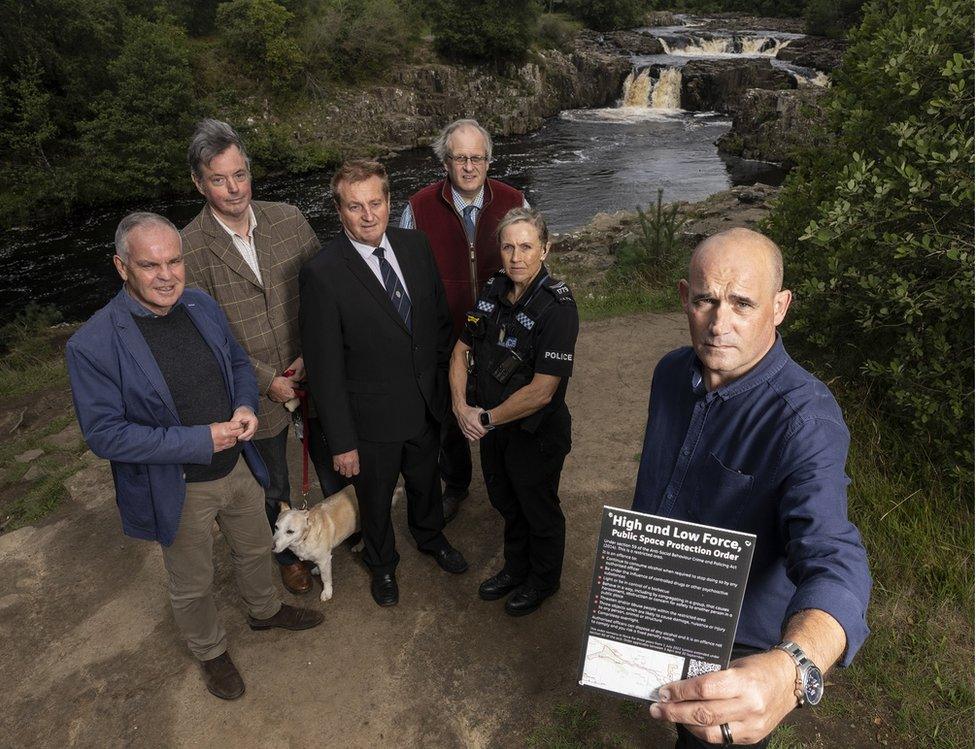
point(236, 502)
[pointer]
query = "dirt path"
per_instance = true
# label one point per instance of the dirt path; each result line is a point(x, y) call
point(91, 657)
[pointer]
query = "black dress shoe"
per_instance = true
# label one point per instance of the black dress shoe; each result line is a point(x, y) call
point(384, 589)
point(452, 501)
point(526, 599)
point(449, 559)
point(222, 677)
point(498, 586)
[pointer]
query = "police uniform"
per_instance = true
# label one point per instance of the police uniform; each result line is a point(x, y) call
point(522, 460)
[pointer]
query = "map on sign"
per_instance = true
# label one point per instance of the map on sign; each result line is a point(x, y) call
point(626, 669)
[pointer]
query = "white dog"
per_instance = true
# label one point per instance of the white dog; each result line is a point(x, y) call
point(313, 534)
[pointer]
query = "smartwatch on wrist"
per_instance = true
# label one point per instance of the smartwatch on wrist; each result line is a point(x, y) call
point(485, 419)
point(809, 687)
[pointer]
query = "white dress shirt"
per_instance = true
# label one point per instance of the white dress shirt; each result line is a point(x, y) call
point(245, 245)
point(366, 251)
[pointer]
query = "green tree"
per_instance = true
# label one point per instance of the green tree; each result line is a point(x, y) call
point(340, 40)
point(134, 144)
point(496, 31)
point(607, 15)
point(878, 231)
point(254, 33)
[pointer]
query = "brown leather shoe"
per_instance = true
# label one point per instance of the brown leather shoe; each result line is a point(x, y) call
point(296, 578)
point(289, 617)
point(222, 677)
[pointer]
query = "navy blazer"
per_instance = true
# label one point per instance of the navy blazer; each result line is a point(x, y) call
point(128, 416)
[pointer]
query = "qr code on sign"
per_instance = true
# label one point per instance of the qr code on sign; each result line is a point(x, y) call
point(697, 668)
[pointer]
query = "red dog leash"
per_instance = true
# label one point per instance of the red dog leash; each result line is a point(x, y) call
point(302, 396)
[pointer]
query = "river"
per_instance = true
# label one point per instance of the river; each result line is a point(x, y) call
point(578, 164)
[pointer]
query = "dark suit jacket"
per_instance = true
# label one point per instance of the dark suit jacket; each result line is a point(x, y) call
point(369, 376)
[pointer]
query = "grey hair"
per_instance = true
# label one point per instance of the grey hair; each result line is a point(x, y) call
point(527, 215)
point(211, 138)
point(441, 142)
point(134, 221)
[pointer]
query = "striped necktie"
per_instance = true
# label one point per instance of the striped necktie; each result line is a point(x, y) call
point(395, 290)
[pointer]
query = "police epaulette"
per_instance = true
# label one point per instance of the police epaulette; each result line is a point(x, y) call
point(559, 289)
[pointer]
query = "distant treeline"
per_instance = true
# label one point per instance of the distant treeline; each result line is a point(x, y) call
point(97, 96)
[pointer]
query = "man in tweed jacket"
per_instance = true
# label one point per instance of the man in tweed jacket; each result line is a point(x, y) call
point(247, 254)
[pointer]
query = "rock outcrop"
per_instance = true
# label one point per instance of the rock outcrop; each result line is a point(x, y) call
point(773, 125)
point(817, 52)
point(421, 99)
point(720, 85)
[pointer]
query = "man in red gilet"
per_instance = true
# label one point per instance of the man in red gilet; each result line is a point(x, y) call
point(459, 215)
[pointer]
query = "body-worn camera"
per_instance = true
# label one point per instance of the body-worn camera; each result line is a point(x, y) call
point(504, 370)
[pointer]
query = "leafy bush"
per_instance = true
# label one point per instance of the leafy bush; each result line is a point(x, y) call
point(878, 231)
point(556, 31)
point(497, 31)
point(351, 40)
point(607, 15)
point(253, 33)
point(831, 17)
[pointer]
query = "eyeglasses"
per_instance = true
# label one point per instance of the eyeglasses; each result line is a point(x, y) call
point(473, 160)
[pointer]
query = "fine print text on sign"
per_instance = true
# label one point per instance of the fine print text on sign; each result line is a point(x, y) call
point(664, 602)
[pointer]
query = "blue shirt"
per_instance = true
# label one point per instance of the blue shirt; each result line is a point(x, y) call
point(764, 454)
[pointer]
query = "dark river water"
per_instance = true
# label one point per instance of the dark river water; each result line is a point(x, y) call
point(578, 164)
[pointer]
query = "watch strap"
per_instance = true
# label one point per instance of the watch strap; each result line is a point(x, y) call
point(800, 660)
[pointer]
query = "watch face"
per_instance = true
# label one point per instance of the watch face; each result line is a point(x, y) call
point(485, 419)
point(813, 685)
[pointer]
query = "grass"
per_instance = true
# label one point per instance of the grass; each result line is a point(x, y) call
point(57, 465)
point(915, 671)
point(32, 359)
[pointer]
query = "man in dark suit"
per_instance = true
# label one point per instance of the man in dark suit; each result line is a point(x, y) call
point(376, 331)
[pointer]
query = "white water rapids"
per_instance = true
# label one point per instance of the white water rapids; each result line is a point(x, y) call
point(664, 95)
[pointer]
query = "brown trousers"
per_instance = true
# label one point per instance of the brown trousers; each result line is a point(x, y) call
point(236, 502)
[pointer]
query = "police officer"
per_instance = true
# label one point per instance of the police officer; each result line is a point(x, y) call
point(516, 350)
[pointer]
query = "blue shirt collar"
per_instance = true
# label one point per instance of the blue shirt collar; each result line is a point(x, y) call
point(774, 360)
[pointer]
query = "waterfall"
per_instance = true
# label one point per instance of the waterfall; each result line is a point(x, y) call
point(745, 45)
point(664, 93)
point(667, 90)
point(637, 89)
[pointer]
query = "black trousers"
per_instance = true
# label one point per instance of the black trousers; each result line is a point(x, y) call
point(274, 451)
point(686, 740)
point(380, 465)
point(455, 457)
point(521, 473)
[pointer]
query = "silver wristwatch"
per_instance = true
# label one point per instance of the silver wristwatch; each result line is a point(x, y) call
point(809, 687)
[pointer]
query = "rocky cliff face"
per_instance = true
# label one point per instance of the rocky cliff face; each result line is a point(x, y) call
point(773, 125)
point(815, 52)
point(720, 85)
point(421, 99)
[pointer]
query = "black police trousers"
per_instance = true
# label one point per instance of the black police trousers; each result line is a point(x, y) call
point(521, 473)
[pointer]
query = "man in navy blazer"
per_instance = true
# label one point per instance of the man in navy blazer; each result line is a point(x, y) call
point(164, 392)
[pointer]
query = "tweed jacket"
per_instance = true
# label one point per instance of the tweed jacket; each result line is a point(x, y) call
point(263, 318)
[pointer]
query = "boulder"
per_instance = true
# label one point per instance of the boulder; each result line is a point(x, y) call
point(635, 43)
point(773, 125)
point(720, 85)
point(816, 52)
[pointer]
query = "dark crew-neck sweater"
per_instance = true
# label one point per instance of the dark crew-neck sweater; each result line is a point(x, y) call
point(194, 380)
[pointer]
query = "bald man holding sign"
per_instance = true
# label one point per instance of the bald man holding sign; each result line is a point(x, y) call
point(742, 437)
